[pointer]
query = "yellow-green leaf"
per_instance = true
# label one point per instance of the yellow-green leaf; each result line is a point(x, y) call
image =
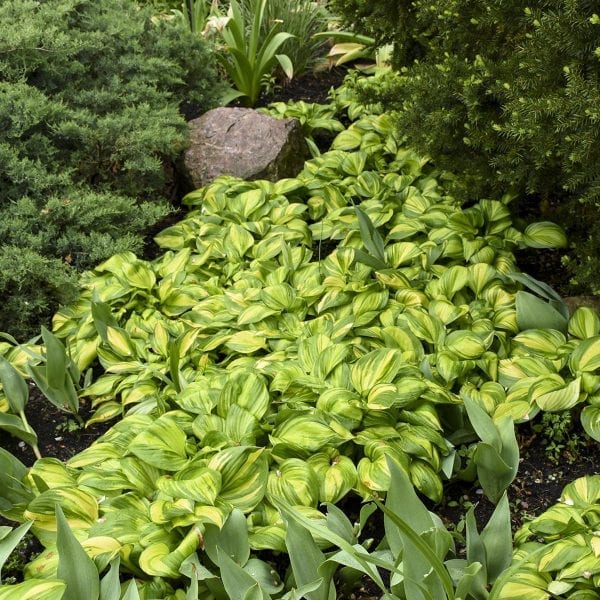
point(246, 342)
point(544, 235)
point(586, 356)
point(584, 323)
point(378, 366)
point(590, 420)
point(34, 589)
point(562, 398)
point(161, 445)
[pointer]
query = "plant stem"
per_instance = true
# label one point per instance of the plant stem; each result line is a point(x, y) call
point(29, 429)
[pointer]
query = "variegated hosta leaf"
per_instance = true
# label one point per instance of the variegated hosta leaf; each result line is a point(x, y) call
point(426, 479)
point(198, 397)
point(424, 326)
point(34, 589)
point(526, 584)
point(467, 344)
point(447, 312)
point(489, 395)
point(480, 275)
point(52, 472)
point(561, 398)
point(247, 390)
point(309, 433)
point(161, 445)
point(183, 513)
point(378, 366)
point(196, 482)
point(541, 341)
point(544, 235)
point(160, 560)
point(336, 473)
point(590, 420)
point(511, 370)
point(244, 472)
point(245, 342)
point(343, 405)
point(584, 323)
point(293, 482)
point(278, 297)
point(586, 356)
point(453, 279)
point(373, 470)
point(80, 509)
point(582, 492)
point(404, 340)
point(401, 253)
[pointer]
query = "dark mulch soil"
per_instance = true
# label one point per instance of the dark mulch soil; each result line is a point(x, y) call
point(539, 481)
point(59, 434)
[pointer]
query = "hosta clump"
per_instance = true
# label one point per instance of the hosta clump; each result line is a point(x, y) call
point(556, 554)
point(254, 370)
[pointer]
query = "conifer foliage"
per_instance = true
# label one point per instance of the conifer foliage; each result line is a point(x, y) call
point(505, 94)
point(89, 125)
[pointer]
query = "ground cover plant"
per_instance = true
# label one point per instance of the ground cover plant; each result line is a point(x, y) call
point(506, 96)
point(89, 96)
point(342, 332)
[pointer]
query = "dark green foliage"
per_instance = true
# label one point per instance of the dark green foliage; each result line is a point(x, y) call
point(89, 132)
point(504, 95)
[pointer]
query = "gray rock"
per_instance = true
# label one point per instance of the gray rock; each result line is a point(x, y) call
point(244, 143)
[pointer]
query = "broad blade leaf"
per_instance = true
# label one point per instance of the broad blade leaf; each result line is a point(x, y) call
point(75, 567)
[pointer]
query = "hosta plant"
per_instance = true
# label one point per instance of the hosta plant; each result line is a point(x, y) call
point(556, 554)
point(293, 337)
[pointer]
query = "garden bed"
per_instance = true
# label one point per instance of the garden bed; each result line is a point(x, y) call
point(551, 456)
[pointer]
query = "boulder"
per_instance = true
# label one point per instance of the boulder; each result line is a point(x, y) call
point(244, 143)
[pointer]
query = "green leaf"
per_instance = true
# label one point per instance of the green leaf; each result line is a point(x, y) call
point(406, 520)
point(231, 539)
point(75, 567)
point(238, 584)
point(14, 386)
point(15, 426)
point(371, 238)
point(308, 562)
point(497, 540)
point(10, 541)
point(535, 313)
point(110, 587)
point(132, 592)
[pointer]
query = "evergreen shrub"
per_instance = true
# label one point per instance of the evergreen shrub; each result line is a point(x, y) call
point(505, 95)
point(89, 131)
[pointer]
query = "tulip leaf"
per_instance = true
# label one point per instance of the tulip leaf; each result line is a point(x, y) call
point(535, 313)
point(75, 567)
point(14, 386)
